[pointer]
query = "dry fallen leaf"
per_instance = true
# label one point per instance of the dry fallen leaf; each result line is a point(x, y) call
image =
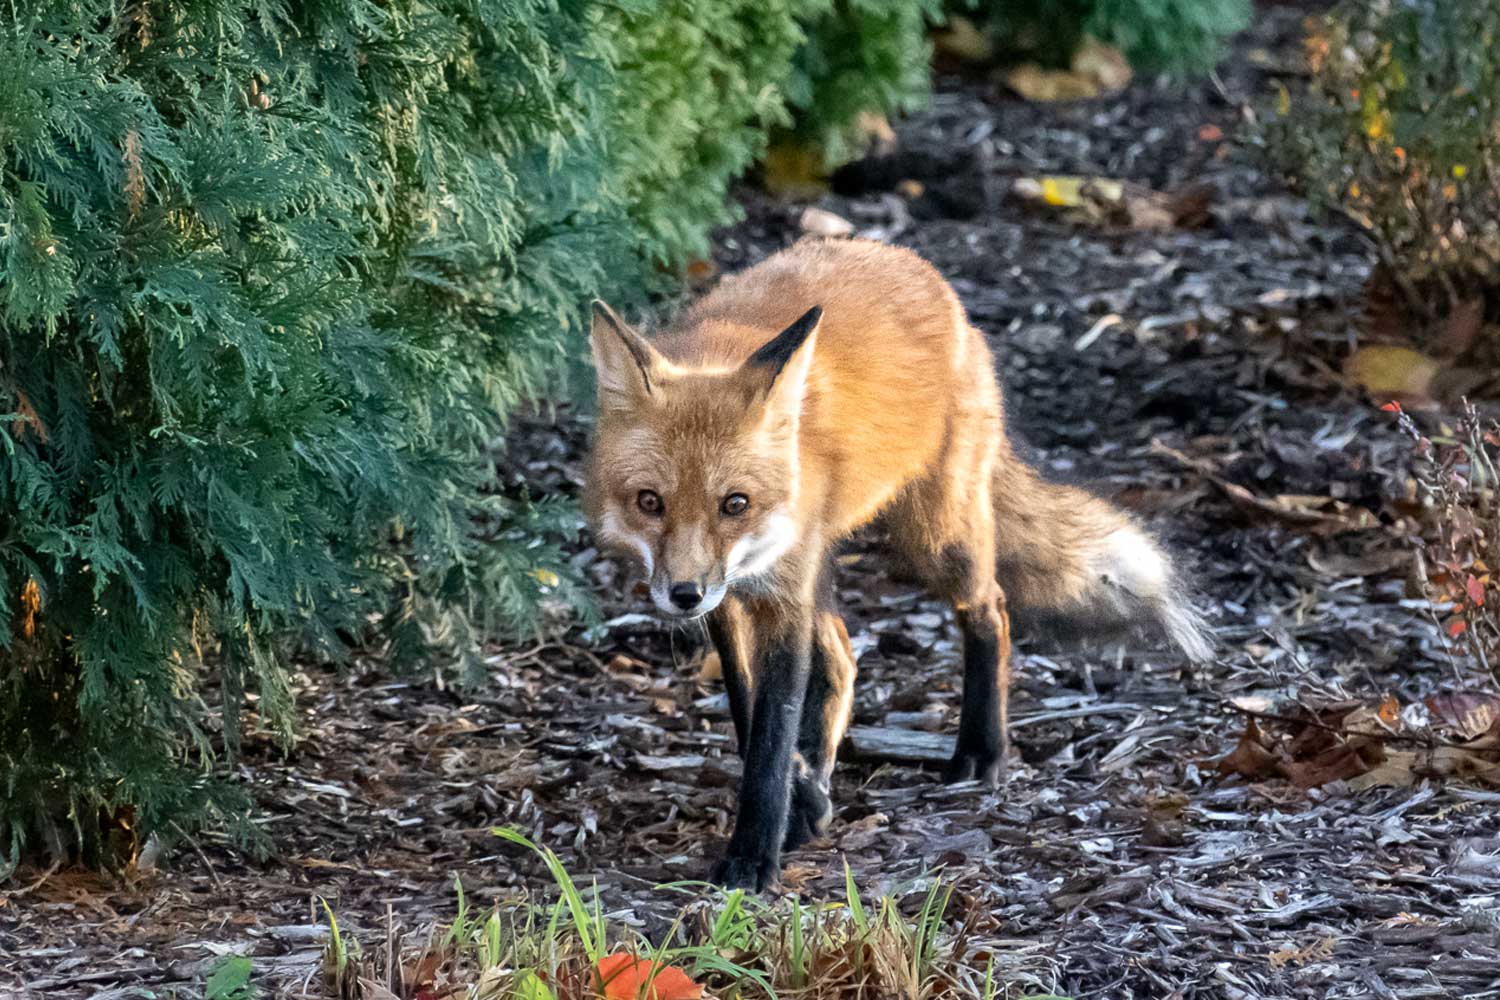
point(1105, 200)
point(821, 222)
point(1384, 370)
point(793, 171)
point(960, 41)
point(1468, 715)
point(1250, 759)
point(1097, 69)
point(1034, 83)
point(1376, 745)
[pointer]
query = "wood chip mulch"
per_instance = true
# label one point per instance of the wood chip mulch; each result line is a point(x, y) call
point(1118, 862)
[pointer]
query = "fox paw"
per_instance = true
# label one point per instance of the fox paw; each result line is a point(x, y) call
point(754, 873)
point(986, 765)
point(810, 812)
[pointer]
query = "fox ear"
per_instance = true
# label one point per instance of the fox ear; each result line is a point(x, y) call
point(782, 363)
point(625, 361)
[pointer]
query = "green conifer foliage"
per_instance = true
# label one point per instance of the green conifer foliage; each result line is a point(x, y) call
point(861, 55)
point(271, 277)
point(1173, 36)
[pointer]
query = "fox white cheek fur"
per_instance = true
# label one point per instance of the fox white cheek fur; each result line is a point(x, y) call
point(610, 529)
point(756, 553)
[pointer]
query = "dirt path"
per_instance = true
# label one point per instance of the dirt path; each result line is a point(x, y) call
point(1116, 863)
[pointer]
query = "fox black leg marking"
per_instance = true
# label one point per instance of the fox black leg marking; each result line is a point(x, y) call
point(825, 716)
point(736, 671)
point(983, 740)
point(754, 857)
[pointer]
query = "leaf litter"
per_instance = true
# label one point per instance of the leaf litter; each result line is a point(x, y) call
point(1118, 861)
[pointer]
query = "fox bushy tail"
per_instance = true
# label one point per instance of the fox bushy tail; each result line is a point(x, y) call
point(1074, 566)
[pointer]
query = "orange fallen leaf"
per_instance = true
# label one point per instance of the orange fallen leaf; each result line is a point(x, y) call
point(622, 976)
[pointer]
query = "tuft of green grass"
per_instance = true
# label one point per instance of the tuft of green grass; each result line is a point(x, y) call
point(737, 946)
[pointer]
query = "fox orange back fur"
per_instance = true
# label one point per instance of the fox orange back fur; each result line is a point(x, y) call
point(832, 384)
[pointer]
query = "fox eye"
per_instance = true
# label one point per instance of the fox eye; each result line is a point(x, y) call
point(735, 504)
point(649, 502)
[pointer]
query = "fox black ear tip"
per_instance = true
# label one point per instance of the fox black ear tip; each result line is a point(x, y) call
point(604, 314)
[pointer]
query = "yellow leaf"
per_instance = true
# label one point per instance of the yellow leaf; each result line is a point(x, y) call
point(1062, 191)
point(794, 171)
point(546, 577)
point(1384, 370)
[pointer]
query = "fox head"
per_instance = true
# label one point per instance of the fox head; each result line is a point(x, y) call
point(694, 469)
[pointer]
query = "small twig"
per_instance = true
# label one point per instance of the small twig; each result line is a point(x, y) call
point(218, 883)
point(33, 887)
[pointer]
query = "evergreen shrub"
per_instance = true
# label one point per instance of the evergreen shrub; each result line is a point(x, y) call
point(1173, 36)
point(271, 278)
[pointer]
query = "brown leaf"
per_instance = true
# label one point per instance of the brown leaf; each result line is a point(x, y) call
point(30, 421)
point(1475, 590)
point(1467, 715)
point(1034, 83)
point(1341, 762)
point(1104, 64)
point(793, 171)
point(960, 41)
point(1336, 564)
point(135, 176)
point(1461, 328)
point(1251, 759)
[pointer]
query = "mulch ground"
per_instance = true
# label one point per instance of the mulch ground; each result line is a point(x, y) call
point(1117, 862)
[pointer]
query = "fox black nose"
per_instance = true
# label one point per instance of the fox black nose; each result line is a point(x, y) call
point(686, 596)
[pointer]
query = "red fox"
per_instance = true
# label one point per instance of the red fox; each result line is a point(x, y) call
point(834, 383)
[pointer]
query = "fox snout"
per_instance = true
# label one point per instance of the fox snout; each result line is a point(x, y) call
point(686, 598)
point(685, 581)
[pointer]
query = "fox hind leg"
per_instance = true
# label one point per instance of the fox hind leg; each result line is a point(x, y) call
point(944, 525)
point(984, 719)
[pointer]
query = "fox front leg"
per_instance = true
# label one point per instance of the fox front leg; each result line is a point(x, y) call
point(727, 626)
point(753, 860)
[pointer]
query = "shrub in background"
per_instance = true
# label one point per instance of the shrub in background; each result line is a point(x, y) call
point(1400, 128)
point(860, 56)
point(698, 86)
point(1174, 36)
